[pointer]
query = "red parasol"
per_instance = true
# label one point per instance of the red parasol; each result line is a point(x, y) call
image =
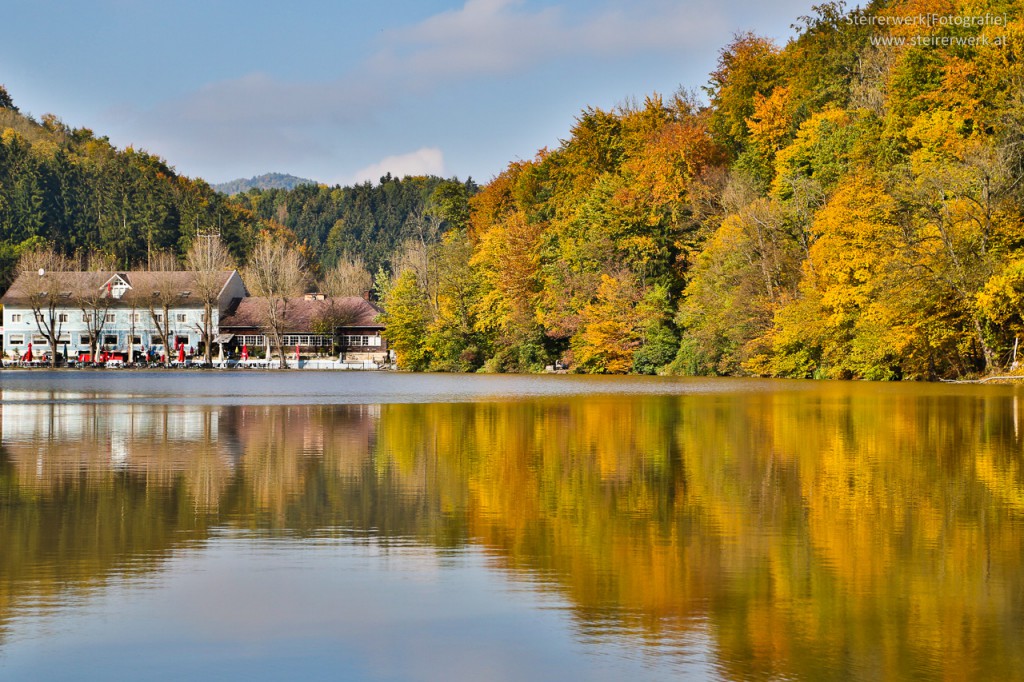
point(245, 352)
point(28, 354)
point(296, 352)
point(181, 353)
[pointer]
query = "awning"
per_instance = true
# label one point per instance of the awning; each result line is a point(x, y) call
point(224, 338)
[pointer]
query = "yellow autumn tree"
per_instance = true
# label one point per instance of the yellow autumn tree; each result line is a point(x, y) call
point(608, 334)
point(841, 322)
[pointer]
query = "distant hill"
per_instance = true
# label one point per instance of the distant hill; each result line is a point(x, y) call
point(265, 181)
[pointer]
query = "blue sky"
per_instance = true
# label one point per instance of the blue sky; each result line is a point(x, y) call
point(346, 91)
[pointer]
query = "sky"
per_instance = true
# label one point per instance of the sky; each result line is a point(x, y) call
point(343, 92)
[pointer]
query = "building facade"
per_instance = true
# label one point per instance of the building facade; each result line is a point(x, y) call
point(319, 324)
point(122, 314)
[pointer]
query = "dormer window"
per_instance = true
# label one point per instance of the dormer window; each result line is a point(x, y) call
point(117, 287)
point(186, 294)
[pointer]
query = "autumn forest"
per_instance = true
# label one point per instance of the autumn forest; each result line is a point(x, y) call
point(846, 205)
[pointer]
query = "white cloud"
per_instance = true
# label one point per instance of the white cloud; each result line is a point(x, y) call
point(425, 161)
point(493, 37)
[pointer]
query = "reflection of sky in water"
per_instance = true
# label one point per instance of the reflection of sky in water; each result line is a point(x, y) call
point(311, 387)
point(243, 608)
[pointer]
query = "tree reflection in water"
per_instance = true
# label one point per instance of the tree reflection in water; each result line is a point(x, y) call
point(840, 531)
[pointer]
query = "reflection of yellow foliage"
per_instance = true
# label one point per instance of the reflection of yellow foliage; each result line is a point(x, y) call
point(839, 531)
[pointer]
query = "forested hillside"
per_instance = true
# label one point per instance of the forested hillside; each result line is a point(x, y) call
point(847, 205)
point(75, 191)
point(374, 223)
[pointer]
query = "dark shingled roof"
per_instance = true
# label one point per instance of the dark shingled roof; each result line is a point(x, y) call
point(142, 285)
point(301, 314)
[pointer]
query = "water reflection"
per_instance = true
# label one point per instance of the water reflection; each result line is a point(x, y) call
point(836, 532)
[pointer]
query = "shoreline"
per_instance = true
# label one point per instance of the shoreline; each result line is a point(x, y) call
point(305, 365)
point(335, 366)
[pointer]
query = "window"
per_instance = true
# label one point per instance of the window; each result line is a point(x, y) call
point(156, 340)
point(63, 317)
point(109, 317)
point(181, 340)
point(252, 340)
point(357, 340)
point(85, 318)
point(16, 339)
point(180, 317)
point(110, 339)
point(40, 340)
point(158, 318)
point(16, 317)
point(306, 340)
point(136, 340)
point(84, 340)
point(135, 318)
point(64, 338)
point(39, 317)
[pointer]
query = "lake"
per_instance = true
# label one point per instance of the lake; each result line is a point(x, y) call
point(386, 526)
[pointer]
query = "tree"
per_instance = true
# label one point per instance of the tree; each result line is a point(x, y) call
point(658, 340)
point(406, 316)
point(349, 277)
point(94, 301)
point(5, 99)
point(608, 330)
point(209, 261)
point(453, 340)
point(747, 67)
point(276, 273)
point(162, 296)
point(450, 202)
point(44, 277)
point(507, 261)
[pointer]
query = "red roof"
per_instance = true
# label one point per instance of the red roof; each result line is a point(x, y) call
point(302, 314)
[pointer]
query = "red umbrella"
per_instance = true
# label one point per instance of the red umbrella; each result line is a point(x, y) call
point(245, 352)
point(181, 353)
point(296, 352)
point(28, 354)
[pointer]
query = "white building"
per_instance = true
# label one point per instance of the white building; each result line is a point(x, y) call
point(124, 310)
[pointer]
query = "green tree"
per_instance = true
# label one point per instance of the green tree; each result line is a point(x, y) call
point(5, 99)
point(406, 318)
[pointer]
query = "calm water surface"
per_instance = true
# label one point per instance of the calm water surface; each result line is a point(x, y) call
point(336, 526)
